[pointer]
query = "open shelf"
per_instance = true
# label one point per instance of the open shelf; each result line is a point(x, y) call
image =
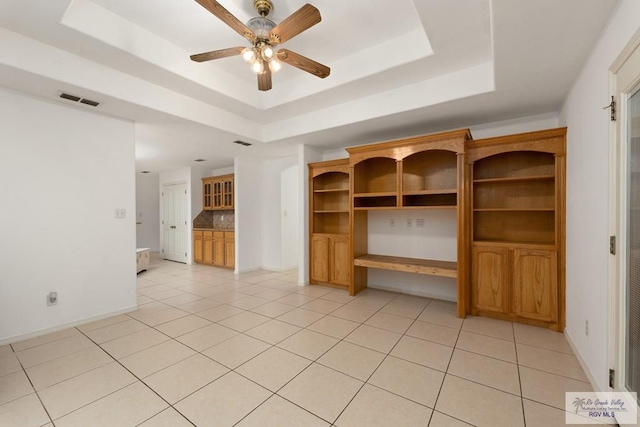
point(536, 226)
point(376, 175)
point(331, 201)
point(515, 165)
point(331, 181)
point(375, 200)
point(430, 200)
point(430, 170)
point(409, 265)
point(515, 194)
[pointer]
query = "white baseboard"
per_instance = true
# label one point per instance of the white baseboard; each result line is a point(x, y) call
point(583, 364)
point(22, 337)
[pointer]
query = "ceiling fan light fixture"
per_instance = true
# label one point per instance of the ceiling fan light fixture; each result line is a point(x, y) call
point(248, 54)
point(258, 67)
point(267, 52)
point(275, 65)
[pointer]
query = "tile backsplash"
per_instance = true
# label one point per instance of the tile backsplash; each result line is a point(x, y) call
point(218, 220)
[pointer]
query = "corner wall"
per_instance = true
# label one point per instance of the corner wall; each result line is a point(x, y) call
point(147, 212)
point(63, 172)
point(588, 193)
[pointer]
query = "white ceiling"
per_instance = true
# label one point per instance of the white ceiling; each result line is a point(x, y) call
point(398, 68)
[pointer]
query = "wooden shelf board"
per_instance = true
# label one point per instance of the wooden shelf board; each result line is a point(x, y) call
point(384, 194)
point(375, 208)
point(428, 192)
point(331, 211)
point(333, 190)
point(410, 265)
point(515, 179)
point(453, 207)
point(509, 243)
point(515, 210)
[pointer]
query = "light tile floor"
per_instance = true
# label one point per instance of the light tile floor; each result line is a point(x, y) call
point(208, 348)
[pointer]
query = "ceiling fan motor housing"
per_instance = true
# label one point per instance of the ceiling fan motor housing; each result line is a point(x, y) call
point(263, 7)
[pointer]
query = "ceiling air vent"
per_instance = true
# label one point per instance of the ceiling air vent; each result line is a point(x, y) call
point(145, 172)
point(70, 97)
point(246, 144)
point(75, 98)
point(89, 102)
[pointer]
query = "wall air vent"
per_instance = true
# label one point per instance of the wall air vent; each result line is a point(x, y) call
point(246, 144)
point(75, 98)
point(199, 160)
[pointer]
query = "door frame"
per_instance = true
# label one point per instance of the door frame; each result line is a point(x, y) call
point(618, 214)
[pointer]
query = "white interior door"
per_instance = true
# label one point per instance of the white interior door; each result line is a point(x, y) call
point(625, 296)
point(174, 222)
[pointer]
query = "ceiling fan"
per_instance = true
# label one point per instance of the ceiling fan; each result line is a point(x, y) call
point(264, 35)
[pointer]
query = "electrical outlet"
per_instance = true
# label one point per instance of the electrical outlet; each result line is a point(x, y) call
point(392, 223)
point(420, 223)
point(586, 327)
point(120, 213)
point(409, 223)
point(52, 298)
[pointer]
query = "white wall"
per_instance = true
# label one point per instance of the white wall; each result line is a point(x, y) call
point(588, 193)
point(63, 172)
point(179, 176)
point(271, 211)
point(436, 240)
point(147, 212)
point(290, 221)
point(248, 212)
point(519, 125)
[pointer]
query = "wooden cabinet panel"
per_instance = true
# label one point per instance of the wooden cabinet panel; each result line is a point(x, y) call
point(207, 194)
point(535, 287)
point(218, 192)
point(207, 250)
point(320, 259)
point(218, 251)
point(229, 250)
point(490, 279)
point(339, 260)
point(197, 247)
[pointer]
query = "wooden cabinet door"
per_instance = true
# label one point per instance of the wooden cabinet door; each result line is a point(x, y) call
point(207, 250)
point(217, 194)
point(207, 201)
point(218, 251)
point(535, 284)
point(490, 279)
point(339, 260)
point(229, 252)
point(197, 247)
point(227, 193)
point(319, 259)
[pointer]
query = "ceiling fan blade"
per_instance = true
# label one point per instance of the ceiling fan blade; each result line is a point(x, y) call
point(225, 16)
point(303, 63)
point(302, 19)
point(217, 54)
point(264, 80)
